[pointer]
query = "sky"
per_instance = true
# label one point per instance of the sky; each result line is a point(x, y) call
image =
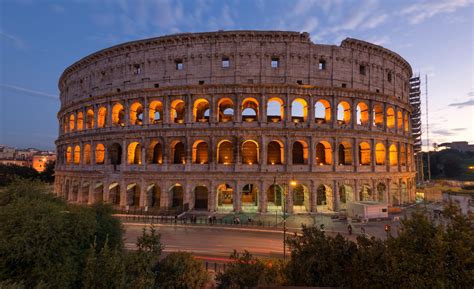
point(40, 38)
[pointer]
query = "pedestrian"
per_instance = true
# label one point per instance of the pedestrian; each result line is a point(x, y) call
point(209, 219)
point(362, 230)
point(214, 219)
point(349, 228)
point(175, 219)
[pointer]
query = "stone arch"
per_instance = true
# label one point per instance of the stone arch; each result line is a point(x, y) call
point(201, 110)
point(77, 155)
point(300, 152)
point(99, 154)
point(378, 115)
point(201, 194)
point(118, 115)
point(301, 199)
point(403, 155)
point(155, 152)
point(115, 154)
point(344, 112)
point(250, 152)
point(225, 197)
point(84, 192)
point(345, 153)
point(362, 111)
point(390, 117)
point(90, 118)
point(136, 113)
point(394, 192)
point(178, 152)
point(101, 117)
point(275, 197)
point(80, 121)
point(324, 198)
point(381, 192)
point(275, 153)
point(114, 193)
point(176, 192)
point(380, 154)
point(404, 193)
point(134, 153)
point(393, 155)
point(87, 154)
point(364, 154)
point(275, 109)
point(346, 195)
point(155, 111)
point(72, 122)
point(323, 153)
point(406, 122)
point(226, 110)
point(365, 193)
point(250, 109)
point(133, 195)
point(68, 155)
point(98, 192)
point(225, 153)
point(200, 152)
point(299, 110)
point(249, 198)
point(322, 110)
point(177, 112)
point(399, 119)
point(153, 196)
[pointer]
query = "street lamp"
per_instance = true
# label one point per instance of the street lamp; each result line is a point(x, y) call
point(285, 192)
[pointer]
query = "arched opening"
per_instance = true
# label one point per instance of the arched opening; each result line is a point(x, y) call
point(275, 110)
point(393, 155)
point(156, 112)
point(399, 120)
point(201, 110)
point(177, 111)
point(378, 115)
point(225, 152)
point(346, 195)
point(403, 155)
point(365, 193)
point(274, 198)
point(390, 118)
point(201, 198)
point(136, 114)
point(324, 198)
point(381, 189)
point(394, 192)
point(101, 117)
point(299, 110)
point(114, 194)
point(80, 121)
point(364, 154)
point(156, 153)
point(77, 155)
point(98, 193)
point(300, 153)
point(250, 110)
point(404, 193)
point(133, 195)
point(115, 154)
point(405, 123)
point(322, 110)
point(68, 155)
point(118, 115)
point(250, 152)
point(362, 111)
point(343, 113)
point(87, 154)
point(323, 153)
point(226, 110)
point(275, 155)
point(249, 198)
point(200, 152)
point(65, 124)
point(153, 196)
point(380, 154)
point(344, 154)
point(90, 119)
point(176, 193)
point(225, 197)
point(134, 154)
point(178, 152)
point(301, 199)
point(99, 154)
point(72, 122)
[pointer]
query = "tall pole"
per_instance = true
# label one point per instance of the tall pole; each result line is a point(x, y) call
point(284, 226)
point(427, 129)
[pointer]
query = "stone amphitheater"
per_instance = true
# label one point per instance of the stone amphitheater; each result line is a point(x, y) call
point(242, 121)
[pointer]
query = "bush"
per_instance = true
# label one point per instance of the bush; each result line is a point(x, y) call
point(180, 270)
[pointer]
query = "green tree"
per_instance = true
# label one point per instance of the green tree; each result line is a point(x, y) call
point(369, 264)
point(180, 270)
point(48, 174)
point(10, 172)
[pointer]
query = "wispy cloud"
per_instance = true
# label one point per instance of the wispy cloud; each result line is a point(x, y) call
point(15, 40)
point(28, 91)
point(463, 104)
point(418, 12)
point(375, 21)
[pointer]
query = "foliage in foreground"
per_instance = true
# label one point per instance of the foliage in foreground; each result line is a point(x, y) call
point(10, 172)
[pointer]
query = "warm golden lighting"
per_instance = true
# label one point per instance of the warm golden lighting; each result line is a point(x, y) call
point(293, 183)
point(471, 167)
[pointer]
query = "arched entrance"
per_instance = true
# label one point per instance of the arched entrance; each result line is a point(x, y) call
point(404, 190)
point(133, 195)
point(346, 195)
point(177, 194)
point(324, 199)
point(98, 193)
point(381, 188)
point(114, 194)
point(225, 198)
point(274, 198)
point(249, 198)
point(395, 194)
point(301, 199)
point(201, 198)
point(153, 195)
point(115, 154)
point(365, 193)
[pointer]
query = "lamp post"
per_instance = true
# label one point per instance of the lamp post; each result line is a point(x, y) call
point(285, 192)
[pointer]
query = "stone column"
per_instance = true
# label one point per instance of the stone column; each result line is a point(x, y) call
point(238, 110)
point(334, 112)
point(106, 192)
point(146, 112)
point(263, 108)
point(371, 115)
point(335, 154)
point(91, 199)
point(237, 197)
point(127, 113)
point(335, 196)
point(123, 193)
point(143, 197)
point(372, 154)
point(353, 113)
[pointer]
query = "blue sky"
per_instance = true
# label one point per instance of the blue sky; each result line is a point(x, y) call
point(39, 39)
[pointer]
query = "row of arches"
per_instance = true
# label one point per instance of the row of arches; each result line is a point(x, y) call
point(248, 153)
point(364, 113)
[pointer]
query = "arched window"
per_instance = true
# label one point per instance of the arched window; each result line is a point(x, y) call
point(403, 155)
point(299, 110)
point(156, 112)
point(200, 152)
point(250, 153)
point(156, 153)
point(362, 114)
point(90, 119)
point(87, 154)
point(65, 124)
point(201, 110)
point(364, 153)
point(118, 115)
point(136, 114)
point(225, 152)
point(323, 153)
point(226, 110)
point(115, 154)
point(399, 120)
point(134, 154)
point(178, 152)
point(322, 110)
point(378, 115)
point(68, 155)
point(380, 154)
point(77, 155)
point(343, 113)
point(406, 122)
point(99, 154)
point(72, 122)
point(300, 153)
point(390, 118)
point(177, 111)
point(101, 117)
point(345, 154)
point(250, 110)
point(80, 120)
point(275, 110)
point(393, 156)
point(275, 153)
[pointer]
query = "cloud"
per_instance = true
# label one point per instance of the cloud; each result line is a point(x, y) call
point(444, 132)
point(29, 91)
point(419, 12)
point(463, 104)
point(375, 21)
point(17, 41)
point(310, 25)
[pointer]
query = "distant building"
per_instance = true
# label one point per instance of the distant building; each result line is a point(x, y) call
point(40, 160)
point(462, 146)
point(464, 199)
point(30, 157)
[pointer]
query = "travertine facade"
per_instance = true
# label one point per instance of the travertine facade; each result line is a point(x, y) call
point(213, 120)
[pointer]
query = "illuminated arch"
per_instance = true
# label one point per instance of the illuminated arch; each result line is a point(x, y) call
point(250, 109)
point(399, 119)
point(324, 198)
point(406, 122)
point(87, 154)
point(378, 115)
point(301, 199)
point(177, 112)
point(136, 113)
point(380, 154)
point(364, 154)
point(77, 155)
point(134, 153)
point(344, 153)
point(226, 110)
point(155, 153)
point(403, 155)
point(323, 153)
point(68, 155)
point(177, 196)
point(153, 196)
point(362, 111)
point(346, 195)
point(200, 152)
point(343, 112)
point(300, 153)
point(225, 197)
point(249, 196)
point(114, 193)
point(80, 121)
point(99, 154)
point(72, 122)
point(133, 195)
point(201, 110)
point(250, 152)
point(299, 110)
point(393, 155)
point(155, 111)
point(101, 117)
point(390, 118)
point(90, 119)
point(275, 153)
point(118, 115)
point(381, 189)
point(225, 152)
point(178, 152)
point(365, 193)
point(275, 109)
point(322, 110)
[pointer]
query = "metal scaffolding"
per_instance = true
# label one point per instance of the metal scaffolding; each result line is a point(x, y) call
point(415, 101)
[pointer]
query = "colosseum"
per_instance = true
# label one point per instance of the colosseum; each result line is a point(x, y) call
point(236, 121)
